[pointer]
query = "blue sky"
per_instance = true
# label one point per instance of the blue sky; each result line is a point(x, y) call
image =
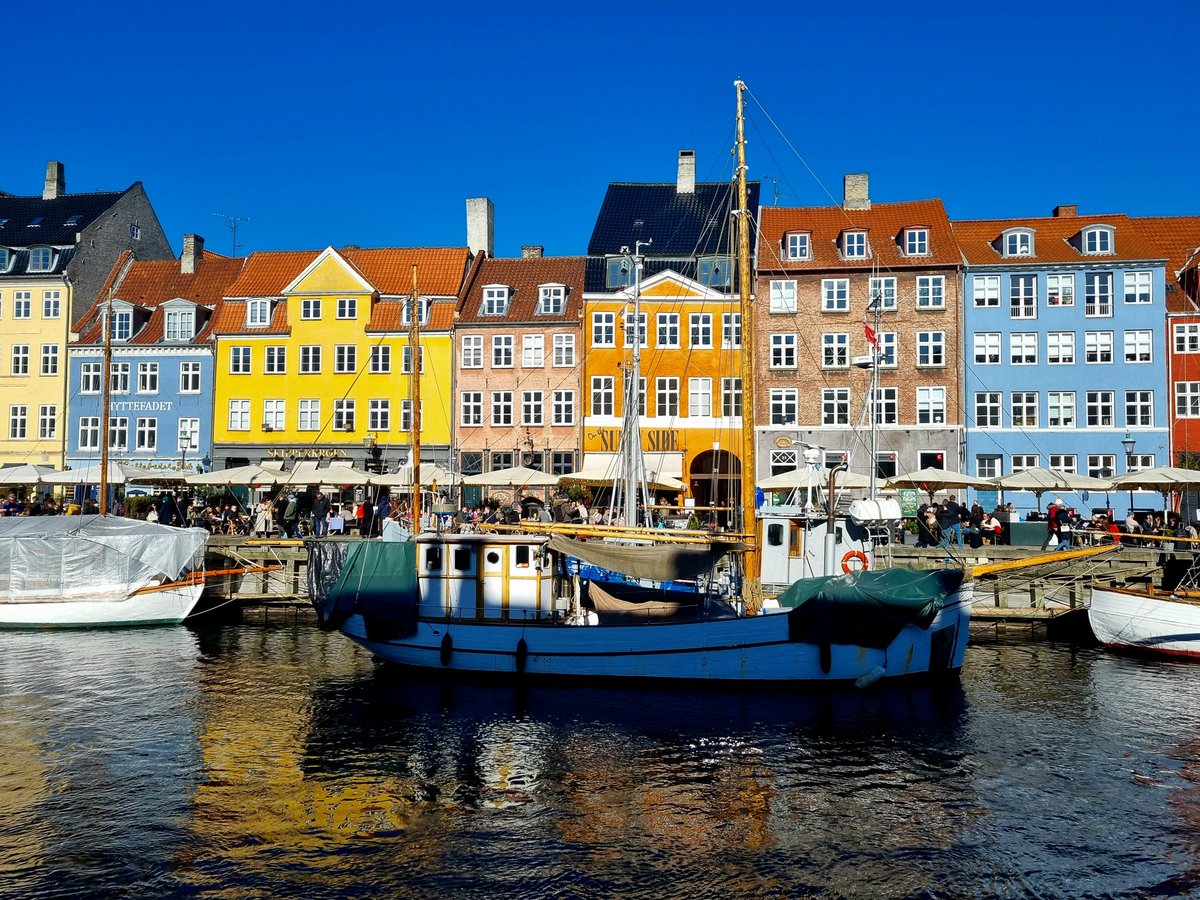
point(372, 123)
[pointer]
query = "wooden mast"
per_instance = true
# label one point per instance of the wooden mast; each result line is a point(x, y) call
point(749, 524)
point(414, 382)
point(105, 391)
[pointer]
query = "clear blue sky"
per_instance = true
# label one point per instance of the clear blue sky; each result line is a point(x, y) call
point(371, 123)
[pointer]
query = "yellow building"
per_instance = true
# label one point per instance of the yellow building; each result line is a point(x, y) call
point(312, 357)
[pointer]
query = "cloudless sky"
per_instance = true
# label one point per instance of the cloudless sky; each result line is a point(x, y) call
point(371, 123)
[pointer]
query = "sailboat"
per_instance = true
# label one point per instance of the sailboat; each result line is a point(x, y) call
point(498, 603)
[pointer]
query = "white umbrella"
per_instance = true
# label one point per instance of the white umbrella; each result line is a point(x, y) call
point(518, 476)
point(430, 473)
point(24, 474)
point(118, 473)
point(1160, 478)
point(801, 478)
point(1040, 480)
point(344, 476)
point(253, 475)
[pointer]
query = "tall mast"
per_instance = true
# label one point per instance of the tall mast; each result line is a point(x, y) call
point(105, 390)
point(747, 314)
point(414, 381)
point(632, 480)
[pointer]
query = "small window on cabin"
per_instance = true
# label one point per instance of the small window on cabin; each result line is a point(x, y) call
point(521, 556)
point(493, 557)
point(433, 559)
point(462, 559)
point(775, 535)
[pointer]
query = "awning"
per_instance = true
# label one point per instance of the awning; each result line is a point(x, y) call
point(663, 470)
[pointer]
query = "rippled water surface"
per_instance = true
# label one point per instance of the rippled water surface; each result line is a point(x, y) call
point(255, 761)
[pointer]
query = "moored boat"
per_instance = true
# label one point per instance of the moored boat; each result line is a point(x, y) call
point(1154, 621)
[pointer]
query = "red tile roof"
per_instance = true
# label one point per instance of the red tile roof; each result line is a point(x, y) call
point(440, 270)
point(523, 277)
point(980, 240)
point(230, 318)
point(1178, 238)
point(387, 316)
point(884, 223)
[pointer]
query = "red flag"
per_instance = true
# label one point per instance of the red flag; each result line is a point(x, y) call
point(871, 338)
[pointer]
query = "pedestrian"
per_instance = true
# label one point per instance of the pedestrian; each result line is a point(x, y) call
point(262, 517)
point(1051, 523)
point(320, 514)
point(1064, 526)
point(950, 522)
point(291, 515)
point(383, 510)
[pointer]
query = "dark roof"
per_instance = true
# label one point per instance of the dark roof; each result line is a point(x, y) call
point(53, 228)
point(679, 225)
point(596, 278)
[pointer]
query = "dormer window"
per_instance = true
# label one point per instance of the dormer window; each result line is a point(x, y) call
point(797, 246)
point(619, 272)
point(122, 324)
point(5, 259)
point(715, 271)
point(495, 300)
point(1018, 242)
point(41, 259)
point(1098, 240)
point(74, 220)
point(258, 313)
point(552, 299)
point(179, 324)
point(36, 221)
point(854, 245)
point(422, 311)
point(916, 242)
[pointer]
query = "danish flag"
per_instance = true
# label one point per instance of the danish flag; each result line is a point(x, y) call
point(871, 338)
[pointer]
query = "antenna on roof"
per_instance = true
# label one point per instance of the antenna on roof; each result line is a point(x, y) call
point(233, 227)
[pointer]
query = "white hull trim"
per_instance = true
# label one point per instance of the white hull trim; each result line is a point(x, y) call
point(168, 605)
point(1137, 621)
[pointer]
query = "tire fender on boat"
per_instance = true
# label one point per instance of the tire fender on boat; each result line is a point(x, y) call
point(522, 654)
point(447, 649)
point(864, 563)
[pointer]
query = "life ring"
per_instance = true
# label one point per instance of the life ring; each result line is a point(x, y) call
point(864, 564)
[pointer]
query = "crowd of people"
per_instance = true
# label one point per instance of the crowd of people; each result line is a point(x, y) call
point(39, 505)
point(949, 522)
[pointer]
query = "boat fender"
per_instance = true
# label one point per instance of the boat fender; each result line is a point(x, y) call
point(864, 681)
point(447, 648)
point(863, 563)
point(522, 654)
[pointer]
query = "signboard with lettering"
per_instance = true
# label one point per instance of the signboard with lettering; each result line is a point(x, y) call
point(307, 453)
point(908, 501)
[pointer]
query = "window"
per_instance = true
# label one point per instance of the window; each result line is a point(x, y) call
point(916, 242)
point(119, 378)
point(604, 329)
point(502, 407)
point(636, 332)
point(1060, 409)
point(564, 350)
point(666, 396)
point(381, 359)
point(310, 308)
point(931, 292)
point(1187, 399)
point(602, 395)
point(1060, 289)
point(796, 245)
point(22, 304)
point(1060, 348)
point(189, 378)
point(562, 461)
point(502, 351)
point(668, 330)
point(52, 304)
point(422, 310)
point(258, 313)
point(987, 467)
point(310, 360)
point(122, 325)
point(887, 406)
point(987, 348)
point(146, 434)
point(406, 359)
point(1138, 346)
point(783, 351)
point(274, 415)
point(495, 301)
point(345, 359)
point(1098, 240)
point(854, 244)
point(41, 259)
point(619, 272)
point(239, 360)
point(343, 415)
point(118, 434)
point(700, 331)
point(552, 299)
point(931, 348)
point(239, 415)
point(1139, 409)
point(641, 397)
point(471, 408)
point(931, 405)
point(1022, 296)
point(180, 324)
point(472, 351)
point(1018, 243)
point(1139, 462)
point(1137, 287)
point(835, 406)
point(379, 415)
point(835, 295)
point(700, 397)
point(562, 407)
point(1023, 348)
point(1021, 462)
point(885, 464)
point(147, 378)
point(49, 359)
point(533, 351)
point(987, 409)
point(1098, 346)
point(731, 397)
point(89, 378)
point(310, 415)
point(1025, 409)
point(276, 360)
point(1101, 465)
point(931, 459)
point(347, 308)
point(783, 296)
point(18, 421)
point(1097, 294)
point(89, 433)
point(835, 350)
point(783, 406)
point(1063, 462)
point(406, 415)
point(783, 461)
point(1187, 337)
point(883, 290)
point(187, 437)
point(887, 350)
point(731, 331)
point(714, 271)
point(532, 406)
point(985, 290)
point(47, 421)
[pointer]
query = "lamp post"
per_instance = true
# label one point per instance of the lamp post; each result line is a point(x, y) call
point(1128, 442)
point(369, 444)
point(185, 440)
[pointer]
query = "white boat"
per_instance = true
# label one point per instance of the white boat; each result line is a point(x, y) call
point(1156, 622)
point(97, 571)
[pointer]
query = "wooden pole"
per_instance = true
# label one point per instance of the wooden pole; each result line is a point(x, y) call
point(751, 557)
point(414, 353)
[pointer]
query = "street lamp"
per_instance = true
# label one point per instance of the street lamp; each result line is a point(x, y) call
point(185, 440)
point(1127, 442)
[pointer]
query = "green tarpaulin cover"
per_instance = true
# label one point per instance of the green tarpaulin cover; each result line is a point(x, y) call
point(376, 579)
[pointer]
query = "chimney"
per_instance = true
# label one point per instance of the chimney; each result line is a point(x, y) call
point(193, 249)
point(481, 226)
point(854, 192)
point(1066, 212)
point(56, 181)
point(686, 182)
point(532, 251)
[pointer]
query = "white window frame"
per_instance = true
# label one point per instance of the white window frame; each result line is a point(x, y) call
point(1098, 240)
point(782, 402)
point(667, 330)
point(471, 351)
point(1138, 287)
point(503, 351)
point(931, 292)
point(835, 295)
point(1023, 409)
point(533, 351)
point(564, 351)
point(783, 295)
point(1060, 348)
point(190, 376)
point(310, 359)
point(855, 245)
point(379, 414)
point(89, 378)
point(347, 308)
point(783, 350)
point(604, 329)
point(1062, 403)
point(258, 313)
point(1139, 346)
point(345, 414)
point(495, 300)
point(562, 408)
point(700, 331)
point(240, 357)
point(931, 405)
point(1187, 337)
point(239, 415)
point(147, 378)
point(797, 245)
point(1022, 296)
point(502, 408)
point(309, 418)
point(931, 349)
point(381, 359)
point(275, 359)
point(988, 409)
point(1098, 295)
point(1023, 348)
point(835, 406)
point(986, 348)
point(1098, 344)
point(1060, 289)
point(916, 242)
point(883, 287)
point(700, 397)
point(1139, 409)
point(274, 414)
point(835, 350)
point(310, 308)
point(552, 299)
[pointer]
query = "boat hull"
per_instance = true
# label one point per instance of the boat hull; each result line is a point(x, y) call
point(1145, 623)
point(168, 605)
point(746, 649)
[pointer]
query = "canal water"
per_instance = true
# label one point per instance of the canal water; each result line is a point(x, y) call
point(279, 761)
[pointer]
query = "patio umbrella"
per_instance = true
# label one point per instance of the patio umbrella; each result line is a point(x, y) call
point(118, 473)
point(430, 473)
point(518, 476)
point(800, 478)
point(344, 475)
point(1161, 478)
point(24, 474)
point(933, 480)
point(252, 475)
point(1040, 480)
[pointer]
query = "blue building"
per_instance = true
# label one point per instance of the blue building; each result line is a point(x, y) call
point(1063, 350)
point(161, 374)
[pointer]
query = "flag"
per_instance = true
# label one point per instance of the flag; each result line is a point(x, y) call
point(871, 338)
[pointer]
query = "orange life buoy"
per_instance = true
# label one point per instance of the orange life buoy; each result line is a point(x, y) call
point(855, 554)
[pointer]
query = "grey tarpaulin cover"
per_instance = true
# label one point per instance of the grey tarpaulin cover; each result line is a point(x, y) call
point(657, 562)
